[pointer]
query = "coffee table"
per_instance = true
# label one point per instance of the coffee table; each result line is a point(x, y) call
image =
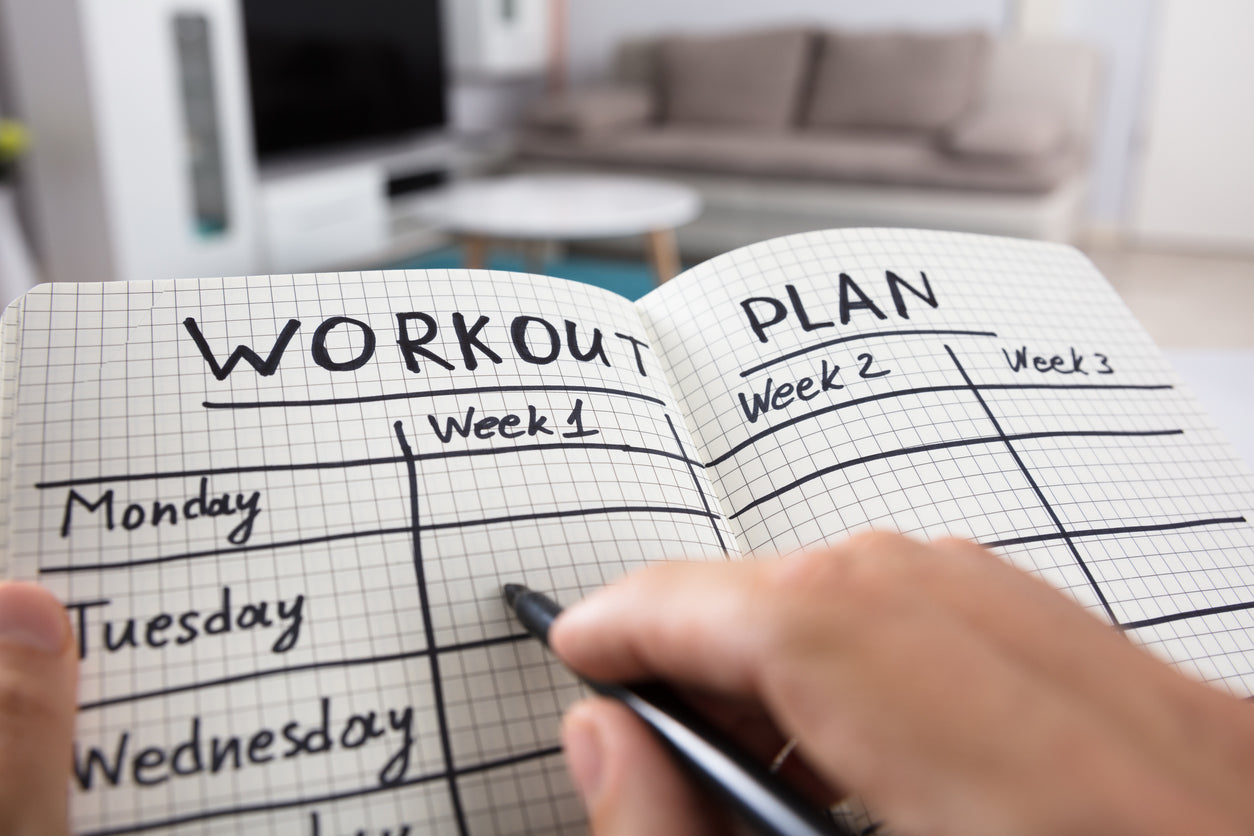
point(539, 209)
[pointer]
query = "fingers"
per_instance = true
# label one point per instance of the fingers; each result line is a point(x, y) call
point(746, 723)
point(690, 623)
point(932, 680)
point(37, 693)
point(874, 681)
point(1035, 621)
point(1060, 642)
point(628, 782)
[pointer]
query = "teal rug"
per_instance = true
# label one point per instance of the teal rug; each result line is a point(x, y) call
point(632, 279)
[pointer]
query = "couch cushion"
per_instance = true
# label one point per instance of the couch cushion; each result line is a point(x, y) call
point(890, 157)
point(1008, 131)
point(895, 80)
point(748, 81)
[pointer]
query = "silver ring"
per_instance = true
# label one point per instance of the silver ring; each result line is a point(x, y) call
point(782, 756)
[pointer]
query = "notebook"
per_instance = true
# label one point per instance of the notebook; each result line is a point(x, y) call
point(280, 509)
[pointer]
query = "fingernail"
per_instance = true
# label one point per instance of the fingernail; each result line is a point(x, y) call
point(579, 616)
point(571, 622)
point(576, 613)
point(582, 746)
point(31, 617)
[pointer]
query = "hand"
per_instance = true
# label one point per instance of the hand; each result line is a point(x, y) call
point(38, 675)
point(950, 691)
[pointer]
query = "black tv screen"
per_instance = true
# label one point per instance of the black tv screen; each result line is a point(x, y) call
point(339, 72)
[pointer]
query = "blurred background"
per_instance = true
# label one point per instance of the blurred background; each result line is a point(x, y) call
point(154, 139)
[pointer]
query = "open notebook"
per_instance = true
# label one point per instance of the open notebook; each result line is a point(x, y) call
point(280, 509)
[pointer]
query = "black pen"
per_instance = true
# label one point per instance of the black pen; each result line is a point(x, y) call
point(763, 799)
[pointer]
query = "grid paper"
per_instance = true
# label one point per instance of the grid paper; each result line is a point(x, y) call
point(439, 715)
point(1112, 486)
point(371, 676)
point(10, 324)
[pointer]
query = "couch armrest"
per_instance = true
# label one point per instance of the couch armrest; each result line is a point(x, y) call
point(1006, 132)
point(1059, 75)
point(592, 111)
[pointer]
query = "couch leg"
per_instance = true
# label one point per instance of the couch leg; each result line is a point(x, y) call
point(663, 254)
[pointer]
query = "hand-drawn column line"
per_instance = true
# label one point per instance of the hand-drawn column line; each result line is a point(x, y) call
point(1117, 529)
point(714, 519)
point(1181, 616)
point(910, 332)
point(379, 532)
point(367, 462)
point(428, 626)
point(517, 637)
point(326, 798)
point(917, 390)
point(1040, 494)
point(433, 393)
point(944, 445)
point(290, 670)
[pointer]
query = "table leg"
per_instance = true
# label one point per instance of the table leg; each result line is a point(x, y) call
point(474, 251)
point(534, 256)
point(663, 254)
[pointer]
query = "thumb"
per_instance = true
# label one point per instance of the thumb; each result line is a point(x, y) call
point(628, 781)
point(37, 681)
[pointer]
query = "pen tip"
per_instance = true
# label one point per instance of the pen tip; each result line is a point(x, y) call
point(512, 591)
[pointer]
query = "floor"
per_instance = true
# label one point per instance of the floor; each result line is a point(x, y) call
point(1199, 308)
point(1185, 301)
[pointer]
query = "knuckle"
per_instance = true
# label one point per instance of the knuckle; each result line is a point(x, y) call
point(825, 599)
point(869, 581)
point(964, 562)
point(963, 548)
point(823, 603)
point(876, 562)
point(659, 577)
point(880, 542)
point(805, 577)
point(858, 574)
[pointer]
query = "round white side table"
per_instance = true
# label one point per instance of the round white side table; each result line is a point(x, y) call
point(543, 208)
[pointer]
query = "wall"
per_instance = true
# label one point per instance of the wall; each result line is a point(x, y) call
point(595, 26)
point(1196, 184)
point(1123, 32)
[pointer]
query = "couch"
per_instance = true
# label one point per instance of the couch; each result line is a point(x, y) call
point(793, 129)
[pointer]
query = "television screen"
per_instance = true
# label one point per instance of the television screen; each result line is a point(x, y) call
point(330, 72)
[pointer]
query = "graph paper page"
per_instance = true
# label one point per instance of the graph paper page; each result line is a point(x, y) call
point(10, 323)
point(940, 383)
point(284, 570)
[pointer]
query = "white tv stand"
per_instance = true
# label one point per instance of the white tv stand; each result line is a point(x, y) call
point(351, 208)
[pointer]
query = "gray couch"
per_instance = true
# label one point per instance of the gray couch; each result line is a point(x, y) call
point(795, 129)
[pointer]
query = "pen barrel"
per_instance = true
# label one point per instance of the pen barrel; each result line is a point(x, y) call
point(764, 800)
point(536, 612)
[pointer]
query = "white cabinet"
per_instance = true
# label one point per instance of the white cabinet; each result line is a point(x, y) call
point(319, 219)
point(142, 163)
